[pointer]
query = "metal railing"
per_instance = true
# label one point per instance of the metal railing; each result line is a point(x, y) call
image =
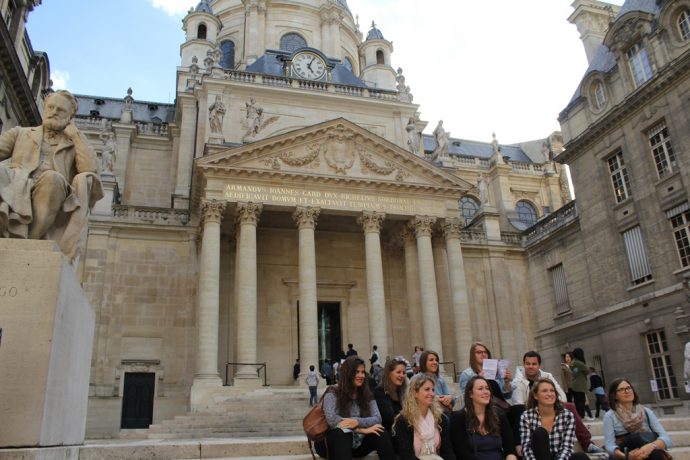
point(455, 374)
point(258, 371)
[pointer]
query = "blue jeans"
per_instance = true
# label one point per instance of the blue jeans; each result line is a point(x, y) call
point(312, 396)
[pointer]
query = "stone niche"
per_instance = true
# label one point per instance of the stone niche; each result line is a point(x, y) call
point(45, 355)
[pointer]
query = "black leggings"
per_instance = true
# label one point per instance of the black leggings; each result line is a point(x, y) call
point(340, 446)
point(541, 449)
point(580, 404)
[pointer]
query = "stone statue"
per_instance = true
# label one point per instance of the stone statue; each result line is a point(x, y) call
point(413, 142)
point(483, 188)
point(51, 180)
point(216, 113)
point(108, 156)
point(403, 89)
point(254, 120)
point(441, 141)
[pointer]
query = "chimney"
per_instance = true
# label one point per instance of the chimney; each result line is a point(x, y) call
point(592, 18)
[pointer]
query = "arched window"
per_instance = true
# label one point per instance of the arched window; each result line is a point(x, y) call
point(292, 42)
point(684, 24)
point(228, 49)
point(526, 212)
point(201, 31)
point(347, 63)
point(379, 57)
point(599, 94)
point(468, 208)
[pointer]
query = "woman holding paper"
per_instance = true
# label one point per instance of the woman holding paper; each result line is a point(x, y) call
point(478, 353)
point(429, 365)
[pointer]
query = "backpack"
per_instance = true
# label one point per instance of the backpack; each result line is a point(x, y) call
point(315, 424)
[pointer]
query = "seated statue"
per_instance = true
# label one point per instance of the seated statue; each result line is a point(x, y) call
point(49, 178)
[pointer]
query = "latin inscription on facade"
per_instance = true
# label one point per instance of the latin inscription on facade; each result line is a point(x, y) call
point(331, 200)
point(8, 291)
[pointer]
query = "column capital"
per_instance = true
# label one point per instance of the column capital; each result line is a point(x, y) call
point(248, 213)
point(371, 221)
point(452, 228)
point(407, 235)
point(305, 217)
point(422, 225)
point(212, 210)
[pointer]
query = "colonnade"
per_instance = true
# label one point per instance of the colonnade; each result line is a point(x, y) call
point(419, 273)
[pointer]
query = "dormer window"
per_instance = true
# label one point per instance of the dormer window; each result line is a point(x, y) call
point(638, 61)
point(227, 47)
point(684, 24)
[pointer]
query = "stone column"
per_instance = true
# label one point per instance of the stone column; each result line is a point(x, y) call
point(458, 289)
point(247, 219)
point(414, 305)
point(308, 320)
point(209, 284)
point(427, 283)
point(378, 331)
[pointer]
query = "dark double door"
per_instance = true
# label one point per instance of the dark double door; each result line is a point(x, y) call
point(137, 400)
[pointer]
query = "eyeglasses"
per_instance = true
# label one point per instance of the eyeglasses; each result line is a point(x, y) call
point(624, 390)
point(481, 352)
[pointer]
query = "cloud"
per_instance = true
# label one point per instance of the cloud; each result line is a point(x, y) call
point(60, 79)
point(174, 7)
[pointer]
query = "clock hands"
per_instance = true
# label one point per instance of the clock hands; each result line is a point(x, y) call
point(310, 63)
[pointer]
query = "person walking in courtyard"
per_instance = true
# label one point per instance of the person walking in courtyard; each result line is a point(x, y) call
point(312, 381)
point(596, 386)
point(350, 351)
point(295, 370)
point(327, 372)
point(374, 358)
point(579, 385)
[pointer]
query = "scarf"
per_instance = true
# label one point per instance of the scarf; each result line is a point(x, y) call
point(426, 436)
point(632, 420)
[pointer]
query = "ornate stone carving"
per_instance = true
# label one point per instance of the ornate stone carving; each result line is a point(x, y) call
point(339, 154)
point(369, 164)
point(423, 225)
point(289, 158)
point(442, 137)
point(109, 153)
point(371, 221)
point(452, 228)
point(564, 186)
point(254, 121)
point(413, 137)
point(216, 113)
point(212, 210)
point(407, 236)
point(248, 213)
point(305, 217)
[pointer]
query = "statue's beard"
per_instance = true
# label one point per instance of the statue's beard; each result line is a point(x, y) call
point(54, 124)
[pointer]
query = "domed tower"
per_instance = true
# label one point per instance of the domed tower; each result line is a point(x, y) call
point(375, 56)
point(201, 28)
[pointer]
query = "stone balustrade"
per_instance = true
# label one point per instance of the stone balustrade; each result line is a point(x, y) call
point(150, 215)
point(527, 168)
point(87, 123)
point(153, 129)
point(511, 238)
point(473, 236)
point(549, 224)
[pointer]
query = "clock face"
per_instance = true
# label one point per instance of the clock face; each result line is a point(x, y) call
point(309, 66)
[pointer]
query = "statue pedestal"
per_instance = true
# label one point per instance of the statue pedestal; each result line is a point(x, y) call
point(45, 355)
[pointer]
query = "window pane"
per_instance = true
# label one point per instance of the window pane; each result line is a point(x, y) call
point(560, 288)
point(662, 370)
point(526, 213)
point(292, 42)
point(638, 60)
point(468, 207)
point(662, 150)
point(684, 24)
point(619, 177)
point(640, 270)
point(228, 59)
point(681, 233)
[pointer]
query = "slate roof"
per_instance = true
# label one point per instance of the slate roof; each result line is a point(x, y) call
point(111, 108)
point(203, 7)
point(374, 34)
point(604, 59)
point(476, 149)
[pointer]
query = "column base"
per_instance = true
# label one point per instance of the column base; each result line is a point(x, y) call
point(247, 383)
point(202, 388)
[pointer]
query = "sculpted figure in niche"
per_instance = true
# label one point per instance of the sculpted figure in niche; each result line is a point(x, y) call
point(50, 180)
point(216, 113)
point(254, 120)
point(441, 141)
point(483, 188)
point(413, 142)
point(108, 156)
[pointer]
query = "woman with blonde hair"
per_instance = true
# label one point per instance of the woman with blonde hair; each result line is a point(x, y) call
point(478, 353)
point(421, 430)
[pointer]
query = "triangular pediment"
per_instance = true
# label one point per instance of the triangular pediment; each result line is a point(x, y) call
point(336, 149)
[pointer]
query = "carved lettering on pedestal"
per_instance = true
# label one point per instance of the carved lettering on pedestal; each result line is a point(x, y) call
point(9, 291)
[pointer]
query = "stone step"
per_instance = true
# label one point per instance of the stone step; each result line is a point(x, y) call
point(669, 424)
point(679, 439)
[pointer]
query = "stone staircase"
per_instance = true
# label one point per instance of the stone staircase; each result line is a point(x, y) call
point(259, 413)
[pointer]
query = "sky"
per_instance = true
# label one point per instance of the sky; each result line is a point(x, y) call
point(502, 66)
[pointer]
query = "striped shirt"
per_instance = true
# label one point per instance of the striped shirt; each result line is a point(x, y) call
point(561, 438)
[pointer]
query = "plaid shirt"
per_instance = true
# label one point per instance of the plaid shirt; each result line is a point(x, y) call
point(561, 438)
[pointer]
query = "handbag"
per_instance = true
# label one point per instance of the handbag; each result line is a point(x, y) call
point(315, 424)
point(631, 441)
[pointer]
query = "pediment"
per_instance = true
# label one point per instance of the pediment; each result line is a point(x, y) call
point(337, 149)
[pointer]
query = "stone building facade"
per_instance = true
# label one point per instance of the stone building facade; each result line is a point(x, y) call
point(287, 204)
point(608, 271)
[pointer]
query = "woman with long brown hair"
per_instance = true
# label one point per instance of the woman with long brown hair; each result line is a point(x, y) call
point(478, 353)
point(353, 417)
point(389, 395)
point(630, 429)
point(479, 431)
point(421, 430)
point(429, 364)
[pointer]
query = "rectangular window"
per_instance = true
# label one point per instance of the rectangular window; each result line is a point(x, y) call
point(640, 67)
point(640, 271)
point(661, 365)
point(560, 288)
point(619, 177)
point(684, 24)
point(680, 223)
point(662, 150)
point(9, 13)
